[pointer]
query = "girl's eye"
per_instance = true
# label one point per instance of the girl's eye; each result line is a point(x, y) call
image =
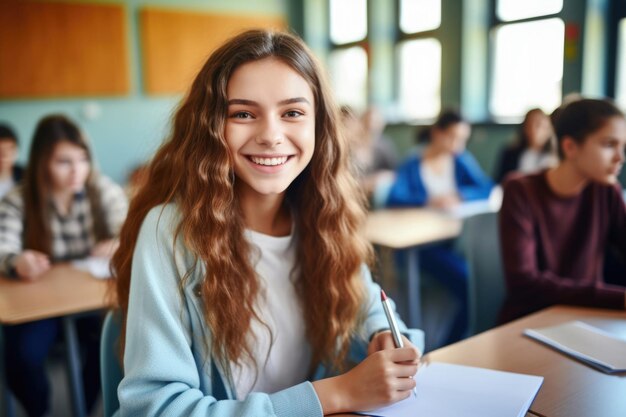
point(241, 115)
point(293, 113)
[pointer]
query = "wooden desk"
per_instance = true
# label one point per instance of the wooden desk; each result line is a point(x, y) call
point(570, 388)
point(411, 229)
point(62, 292)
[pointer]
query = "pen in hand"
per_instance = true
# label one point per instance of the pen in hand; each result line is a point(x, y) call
point(393, 325)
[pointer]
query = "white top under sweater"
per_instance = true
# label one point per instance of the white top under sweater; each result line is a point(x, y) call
point(280, 309)
point(439, 183)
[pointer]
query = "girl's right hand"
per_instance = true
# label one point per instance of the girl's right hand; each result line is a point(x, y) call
point(30, 264)
point(382, 378)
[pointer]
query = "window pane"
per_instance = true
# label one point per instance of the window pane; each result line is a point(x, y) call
point(348, 21)
point(522, 9)
point(419, 15)
point(420, 78)
point(528, 67)
point(348, 70)
point(620, 93)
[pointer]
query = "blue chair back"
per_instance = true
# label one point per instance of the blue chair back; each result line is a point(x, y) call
point(486, 285)
point(110, 368)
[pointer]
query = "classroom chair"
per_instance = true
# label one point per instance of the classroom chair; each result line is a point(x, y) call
point(486, 286)
point(110, 370)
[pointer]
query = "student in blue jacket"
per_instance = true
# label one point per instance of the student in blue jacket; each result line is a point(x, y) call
point(240, 273)
point(442, 176)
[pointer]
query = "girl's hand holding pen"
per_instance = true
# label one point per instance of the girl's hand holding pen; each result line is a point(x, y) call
point(384, 340)
point(384, 377)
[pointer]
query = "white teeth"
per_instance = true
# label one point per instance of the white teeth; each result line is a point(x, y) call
point(269, 161)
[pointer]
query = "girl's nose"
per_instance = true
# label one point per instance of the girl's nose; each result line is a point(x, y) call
point(270, 134)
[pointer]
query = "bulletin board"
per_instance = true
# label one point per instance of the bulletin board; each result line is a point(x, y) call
point(175, 44)
point(62, 49)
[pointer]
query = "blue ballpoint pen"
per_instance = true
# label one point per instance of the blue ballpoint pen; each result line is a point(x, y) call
point(393, 325)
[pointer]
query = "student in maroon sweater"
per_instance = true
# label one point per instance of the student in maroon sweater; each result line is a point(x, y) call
point(555, 225)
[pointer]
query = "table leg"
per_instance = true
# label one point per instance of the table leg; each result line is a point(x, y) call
point(74, 367)
point(7, 407)
point(414, 299)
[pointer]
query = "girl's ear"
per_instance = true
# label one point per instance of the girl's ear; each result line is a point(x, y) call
point(569, 146)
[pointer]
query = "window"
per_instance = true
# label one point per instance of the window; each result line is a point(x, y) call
point(348, 61)
point(349, 80)
point(348, 21)
point(418, 54)
point(620, 91)
point(508, 10)
point(419, 15)
point(420, 78)
point(527, 65)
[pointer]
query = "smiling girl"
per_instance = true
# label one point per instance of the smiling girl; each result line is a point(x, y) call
point(555, 225)
point(241, 270)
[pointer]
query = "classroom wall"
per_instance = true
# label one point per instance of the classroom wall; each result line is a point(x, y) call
point(124, 130)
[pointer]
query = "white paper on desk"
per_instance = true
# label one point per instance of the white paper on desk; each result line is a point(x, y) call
point(447, 390)
point(98, 267)
point(586, 343)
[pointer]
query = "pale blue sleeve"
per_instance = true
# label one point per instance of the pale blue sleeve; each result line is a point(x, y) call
point(161, 377)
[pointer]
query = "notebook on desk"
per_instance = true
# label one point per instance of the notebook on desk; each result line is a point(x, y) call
point(586, 343)
point(447, 390)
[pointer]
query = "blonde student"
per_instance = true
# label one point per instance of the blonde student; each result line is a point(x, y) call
point(62, 211)
point(556, 225)
point(241, 270)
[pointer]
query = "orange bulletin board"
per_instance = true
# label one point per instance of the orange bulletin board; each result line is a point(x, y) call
point(62, 49)
point(175, 44)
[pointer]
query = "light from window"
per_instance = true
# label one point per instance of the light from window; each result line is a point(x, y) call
point(620, 93)
point(528, 67)
point(420, 78)
point(348, 70)
point(348, 21)
point(419, 15)
point(508, 10)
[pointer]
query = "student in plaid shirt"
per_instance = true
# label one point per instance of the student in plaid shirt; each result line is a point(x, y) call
point(62, 211)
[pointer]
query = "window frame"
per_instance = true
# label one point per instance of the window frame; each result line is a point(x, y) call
point(616, 14)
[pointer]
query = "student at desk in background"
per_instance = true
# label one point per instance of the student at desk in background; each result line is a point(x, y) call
point(443, 176)
point(534, 148)
point(62, 211)
point(555, 225)
point(10, 172)
point(241, 269)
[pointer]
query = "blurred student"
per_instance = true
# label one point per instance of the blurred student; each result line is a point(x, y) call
point(443, 176)
point(62, 211)
point(241, 270)
point(533, 149)
point(384, 154)
point(555, 225)
point(373, 153)
point(10, 172)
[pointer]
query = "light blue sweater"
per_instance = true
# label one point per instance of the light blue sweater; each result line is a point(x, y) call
point(169, 368)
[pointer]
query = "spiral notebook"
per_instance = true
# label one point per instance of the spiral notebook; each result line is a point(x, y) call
point(447, 390)
point(586, 343)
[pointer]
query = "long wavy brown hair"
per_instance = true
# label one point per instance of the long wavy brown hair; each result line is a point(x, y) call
point(193, 169)
point(50, 131)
